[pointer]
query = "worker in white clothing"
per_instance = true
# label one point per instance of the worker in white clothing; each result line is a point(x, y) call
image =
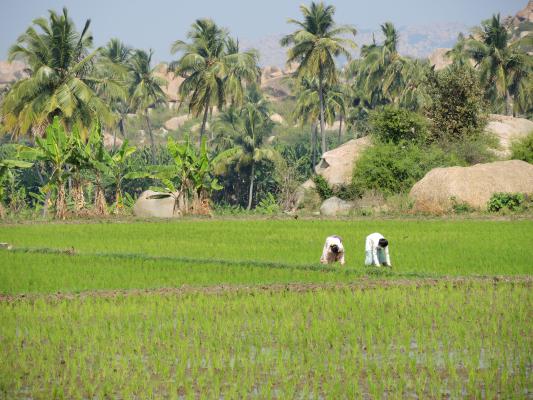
point(333, 250)
point(377, 250)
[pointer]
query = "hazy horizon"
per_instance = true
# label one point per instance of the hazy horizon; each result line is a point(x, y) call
point(161, 22)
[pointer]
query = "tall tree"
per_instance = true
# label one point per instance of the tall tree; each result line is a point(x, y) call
point(307, 108)
point(380, 73)
point(62, 78)
point(250, 131)
point(115, 58)
point(503, 67)
point(315, 45)
point(213, 68)
point(145, 89)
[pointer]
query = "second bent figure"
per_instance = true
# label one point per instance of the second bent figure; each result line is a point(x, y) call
point(377, 250)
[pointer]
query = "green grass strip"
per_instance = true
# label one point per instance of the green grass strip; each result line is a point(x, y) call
point(373, 271)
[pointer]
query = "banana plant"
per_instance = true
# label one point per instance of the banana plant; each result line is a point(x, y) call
point(56, 148)
point(189, 176)
point(7, 177)
point(89, 154)
point(115, 166)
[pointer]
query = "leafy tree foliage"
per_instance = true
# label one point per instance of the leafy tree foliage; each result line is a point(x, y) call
point(457, 108)
point(398, 124)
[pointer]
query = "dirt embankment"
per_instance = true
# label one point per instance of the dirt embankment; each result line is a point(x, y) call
point(364, 283)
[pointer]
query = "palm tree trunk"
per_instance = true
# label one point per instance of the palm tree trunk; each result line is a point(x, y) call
point(340, 130)
point(321, 97)
point(314, 132)
point(251, 191)
point(204, 121)
point(509, 106)
point(121, 127)
point(2, 211)
point(152, 143)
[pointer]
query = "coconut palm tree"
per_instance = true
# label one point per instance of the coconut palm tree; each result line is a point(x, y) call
point(145, 89)
point(250, 129)
point(115, 58)
point(458, 53)
point(307, 108)
point(62, 81)
point(503, 67)
point(315, 45)
point(381, 73)
point(214, 69)
point(242, 70)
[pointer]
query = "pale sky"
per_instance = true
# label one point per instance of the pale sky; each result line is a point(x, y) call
point(157, 23)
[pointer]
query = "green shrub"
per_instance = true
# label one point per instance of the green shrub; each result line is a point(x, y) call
point(322, 187)
point(459, 207)
point(398, 124)
point(268, 205)
point(394, 168)
point(510, 201)
point(472, 150)
point(522, 149)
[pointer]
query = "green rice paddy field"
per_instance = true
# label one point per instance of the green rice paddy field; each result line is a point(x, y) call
point(242, 309)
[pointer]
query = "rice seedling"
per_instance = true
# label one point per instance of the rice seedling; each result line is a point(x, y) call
point(473, 340)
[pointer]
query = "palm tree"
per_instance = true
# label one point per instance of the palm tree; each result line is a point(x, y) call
point(381, 72)
point(316, 44)
point(242, 70)
point(61, 82)
point(115, 57)
point(503, 66)
point(458, 53)
point(213, 68)
point(145, 89)
point(250, 129)
point(307, 108)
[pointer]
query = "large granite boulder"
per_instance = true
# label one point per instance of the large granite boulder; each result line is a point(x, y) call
point(334, 206)
point(12, 71)
point(155, 208)
point(306, 194)
point(175, 123)
point(439, 59)
point(471, 185)
point(336, 166)
point(172, 82)
point(508, 129)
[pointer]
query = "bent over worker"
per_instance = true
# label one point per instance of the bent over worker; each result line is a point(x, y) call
point(377, 250)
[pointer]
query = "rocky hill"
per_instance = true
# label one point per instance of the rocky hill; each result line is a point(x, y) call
point(11, 72)
point(520, 26)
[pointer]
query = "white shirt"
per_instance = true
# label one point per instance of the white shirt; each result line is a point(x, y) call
point(329, 256)
point(372, 246)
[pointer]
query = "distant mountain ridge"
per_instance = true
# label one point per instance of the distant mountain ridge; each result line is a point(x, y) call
point(415, 41)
